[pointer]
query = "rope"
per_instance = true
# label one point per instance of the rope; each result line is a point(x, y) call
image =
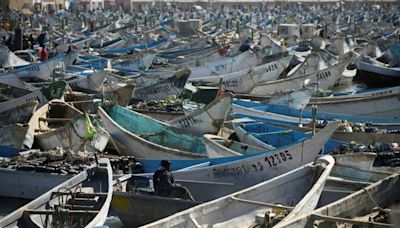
point(372, 199)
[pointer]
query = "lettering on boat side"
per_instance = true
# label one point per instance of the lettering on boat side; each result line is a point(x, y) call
point(271, 67)
point(272, 160)
point(152, 90)
point(221, 67)
point(188, 121)
point(34, 98)
point(124, 64)
point(382, 93)
point(280, 158)
point(324, 74)
point(33, 68)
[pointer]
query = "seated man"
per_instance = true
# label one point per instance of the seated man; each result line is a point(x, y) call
point(164, 183)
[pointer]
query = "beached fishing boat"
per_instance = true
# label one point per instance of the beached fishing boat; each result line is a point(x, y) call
point(135, 62)
point(58, 124)
point(141, 136)
point(19, 114)
point(40, 70)
point(14, 96)
point(243, 81)
point(325, 79)
point(269, 137)
point(378, 73)
point(226, 177)
point(172, 86)
point(380, 103)
point(227, 65)
point(83, 200)
point(272, 202)
point(95, 83)
point(268, 111)
point(207, 120)
point(366, 207)
point(10, 60)
point(148, 45)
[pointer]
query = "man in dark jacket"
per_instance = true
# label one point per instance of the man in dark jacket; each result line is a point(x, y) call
point(164, 183)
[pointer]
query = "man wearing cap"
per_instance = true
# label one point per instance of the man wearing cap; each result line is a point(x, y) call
point(164, 183)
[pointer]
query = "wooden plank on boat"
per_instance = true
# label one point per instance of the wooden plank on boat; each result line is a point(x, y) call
point(261, 203)
point(48, 212)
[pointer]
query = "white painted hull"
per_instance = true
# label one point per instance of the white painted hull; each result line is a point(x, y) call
point(172, 86)
point(269, 115)
point(72, 136)
point(242, 61)
point(134, 63)
point(35, 96)
point(253, 170)
point(325, 78)
point(207, 120)
point(96, 181)
point(240, 209)
point(36, 71)
point(383, 193)
point(378, 69)
point(131, 144)
point(244, 81)
point(385, 104)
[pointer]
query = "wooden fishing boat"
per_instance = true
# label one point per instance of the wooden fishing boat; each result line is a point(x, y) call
point(272, 202)
point(358, 207)
point(265, 110)
point(381, 103)
point(269, 137)
point(19, 114)
point(305, 125)
point(172, 86)
point(244, 81)
point(239, 62)
point(150, 45)
point(9, 59)
point(325, 78)
point(231, 176)
point(60, 124)
point(375, 73)
point(83, 200)
point(142, 136)
point(40, 70)
point(137, 205)
point(134, 62)
point(14, 96)
point(206, 120)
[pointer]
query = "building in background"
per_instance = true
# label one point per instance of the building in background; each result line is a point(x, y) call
point(91, 4)
point(16, 4)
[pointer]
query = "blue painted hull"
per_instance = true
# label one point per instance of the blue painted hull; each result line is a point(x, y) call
point(308, 114)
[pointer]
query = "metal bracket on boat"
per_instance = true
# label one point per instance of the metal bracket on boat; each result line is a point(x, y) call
point(262, 203)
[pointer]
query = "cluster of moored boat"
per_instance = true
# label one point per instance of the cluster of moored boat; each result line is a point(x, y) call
point(267, 130)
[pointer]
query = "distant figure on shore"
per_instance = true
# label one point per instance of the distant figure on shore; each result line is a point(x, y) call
point(43, 55)
point(164, 183)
